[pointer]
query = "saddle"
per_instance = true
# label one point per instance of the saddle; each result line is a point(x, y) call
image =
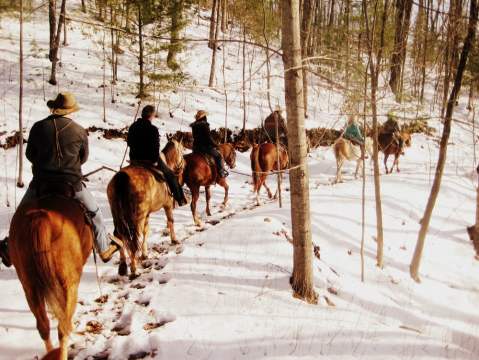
point(47, 188)
point(157, 173)
point(209, 160)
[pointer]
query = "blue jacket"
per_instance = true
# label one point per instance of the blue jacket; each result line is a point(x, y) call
point(353, 132)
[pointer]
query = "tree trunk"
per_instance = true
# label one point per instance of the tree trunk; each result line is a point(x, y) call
point(176, 19)
point(302, 277)
point(213, 24)
point(20, 105)
point(268, 62)
point(83, 6)
point(244, 79)
point(56, 41)
point(215, 46)
point(141, 92)
point(65, 42)
point(424, 51)
point(403, 16)
point(470, 100)
point(305, 34)
point(375, 69)
point(471, 33)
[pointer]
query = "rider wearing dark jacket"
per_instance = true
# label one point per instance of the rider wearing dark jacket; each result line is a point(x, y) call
point(144, 142)
point(204, 144)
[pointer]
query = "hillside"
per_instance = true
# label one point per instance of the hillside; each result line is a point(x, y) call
point(225, 293)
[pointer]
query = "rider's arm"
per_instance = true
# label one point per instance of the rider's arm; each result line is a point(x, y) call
point(31, 151)
point(156, 144)
point(84, 149)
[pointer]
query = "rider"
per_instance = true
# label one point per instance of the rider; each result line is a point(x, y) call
point(57, 147)
point(204, 144)
point(353, 133)
point(391, 127)
point(144, 142)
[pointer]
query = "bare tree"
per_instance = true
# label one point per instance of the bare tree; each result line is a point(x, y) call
point(403, 16)
point(302, 277)
point(215, 45)
point(375, 69)
point(55, 37)
point(20, 105)
point(471, 33)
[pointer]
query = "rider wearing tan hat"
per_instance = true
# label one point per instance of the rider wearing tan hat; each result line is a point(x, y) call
point(203, 143)
point(57, 148)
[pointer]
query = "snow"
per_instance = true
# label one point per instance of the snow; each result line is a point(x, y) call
point(225, 293)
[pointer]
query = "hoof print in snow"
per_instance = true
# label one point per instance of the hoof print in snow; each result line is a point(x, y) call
point(122, 330)
point(147, 264)
point(138, 286)
point(114, 280)
point(179, 250)
point(268, 220)
point(154, 325)
point(164, 278)
point(213, 222)
point(133, 276)
point(138, 355)
point(328, 301)
point(94, 327)
point(104, 355)
point(143, 302)
point(102, 299)
point(317, 251)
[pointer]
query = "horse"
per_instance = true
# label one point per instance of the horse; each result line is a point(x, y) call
point(134, 193)
point(264, 158)
point(389, 146)
point(50, 241)
point(346, 150)
point(198, 172)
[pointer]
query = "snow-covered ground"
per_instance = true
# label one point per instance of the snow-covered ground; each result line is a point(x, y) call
point(226, 294)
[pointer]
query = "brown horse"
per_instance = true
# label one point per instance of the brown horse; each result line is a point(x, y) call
point(49, 243)
point(198, 172)
point(389, 146)
point(264, 158)
point(134, 193)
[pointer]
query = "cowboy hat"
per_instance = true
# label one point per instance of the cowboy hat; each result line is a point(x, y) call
point(200, 114)
point(64, 104)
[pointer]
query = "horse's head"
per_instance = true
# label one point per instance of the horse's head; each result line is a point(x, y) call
point(174, 156)
point(407, 139)
point(229, 154)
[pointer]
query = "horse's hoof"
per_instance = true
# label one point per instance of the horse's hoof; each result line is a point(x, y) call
point(175, 242)
point(134, 276)
point(208, 213)
point(143, 257)
point(123, 269)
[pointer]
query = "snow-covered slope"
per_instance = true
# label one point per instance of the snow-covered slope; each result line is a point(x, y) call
point(226, 293)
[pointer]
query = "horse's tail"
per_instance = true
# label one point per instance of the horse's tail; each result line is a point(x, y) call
point(124, 211)
point(47, 282)
point(255, 167)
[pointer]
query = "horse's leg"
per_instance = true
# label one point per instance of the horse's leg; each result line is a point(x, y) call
point(396, 160)
point(270, 194)
point(339, 165)
point(65, 325)
point(225, 186)
point(38, 309)
point(195, 195)
point(122, 268)
point(133, 273)
point(171, 226)
point(358, 166)
point(386, 156)
point(144, 245)
point(208, 197)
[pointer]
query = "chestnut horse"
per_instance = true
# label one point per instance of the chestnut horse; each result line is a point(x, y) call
point(134, 193)
point(198, 172)
point(389, 146)
point(264, 158)
point(49, 244)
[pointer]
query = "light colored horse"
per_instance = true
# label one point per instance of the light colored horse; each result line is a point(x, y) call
point(346, 150)
point(134, 193)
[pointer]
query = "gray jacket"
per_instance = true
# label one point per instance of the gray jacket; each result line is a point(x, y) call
point(57, 147)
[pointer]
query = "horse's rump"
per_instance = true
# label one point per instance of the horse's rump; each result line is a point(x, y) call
point(47, 250)
point(123, 203)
